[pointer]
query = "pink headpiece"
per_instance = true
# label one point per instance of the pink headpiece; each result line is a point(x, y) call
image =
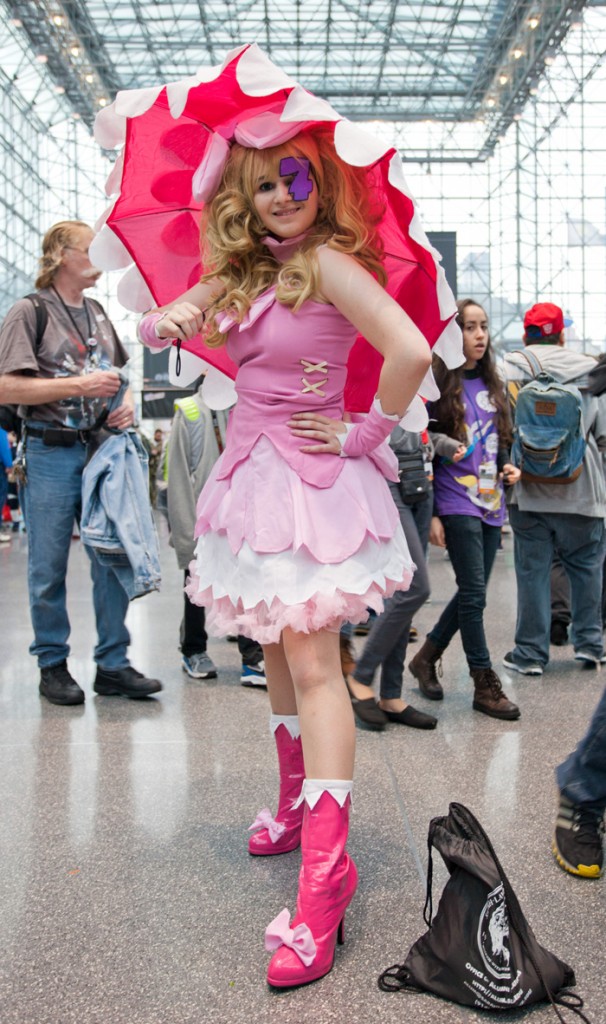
point(259, 132)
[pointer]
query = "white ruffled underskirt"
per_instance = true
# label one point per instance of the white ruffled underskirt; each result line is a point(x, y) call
point(259, 595)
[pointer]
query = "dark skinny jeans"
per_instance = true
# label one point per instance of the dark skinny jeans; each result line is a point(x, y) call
point(388, 638)
point(472, 546)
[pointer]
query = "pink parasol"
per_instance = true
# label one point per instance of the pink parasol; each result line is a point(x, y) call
point(153, 220)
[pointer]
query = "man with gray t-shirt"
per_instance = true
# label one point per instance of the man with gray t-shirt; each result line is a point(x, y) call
point(62, 382)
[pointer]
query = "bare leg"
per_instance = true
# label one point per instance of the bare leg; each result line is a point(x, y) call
point(395, 704)
point(363, 692)
point(325, 715)
point(360, 690)
point(279, 681)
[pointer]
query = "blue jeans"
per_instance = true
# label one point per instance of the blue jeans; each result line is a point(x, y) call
point(388, 638)
point(582, 776)
point(51, 501)
point(578, 540)
point(472, 545)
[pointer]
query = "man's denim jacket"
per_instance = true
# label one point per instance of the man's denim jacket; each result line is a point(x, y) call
point(117, 521)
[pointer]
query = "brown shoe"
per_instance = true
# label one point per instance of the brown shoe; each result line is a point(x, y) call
point(488, 696)
point(348, 658)
point(423, 668)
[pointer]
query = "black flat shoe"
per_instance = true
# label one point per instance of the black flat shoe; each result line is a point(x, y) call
point(368, 711)
point(410, 716)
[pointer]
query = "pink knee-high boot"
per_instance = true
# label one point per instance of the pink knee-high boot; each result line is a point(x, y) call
point(282, 834)
point(327, 882)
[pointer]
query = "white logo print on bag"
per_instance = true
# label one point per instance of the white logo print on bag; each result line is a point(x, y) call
point(493, 934)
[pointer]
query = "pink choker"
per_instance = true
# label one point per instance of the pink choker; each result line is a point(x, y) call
point(284, 248)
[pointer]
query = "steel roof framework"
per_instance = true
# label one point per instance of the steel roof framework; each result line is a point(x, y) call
point(469, 62)
point(531, 221)
point(504, 147)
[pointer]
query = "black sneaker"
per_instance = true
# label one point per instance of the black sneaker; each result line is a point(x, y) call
point(577, 842)
point(558, 634)
point(58, 686)
point(125, 682)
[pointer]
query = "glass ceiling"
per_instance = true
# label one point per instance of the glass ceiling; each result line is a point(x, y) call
point(450, 62)
point(449, 83)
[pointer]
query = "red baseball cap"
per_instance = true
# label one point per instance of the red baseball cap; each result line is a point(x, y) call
point(545, 316)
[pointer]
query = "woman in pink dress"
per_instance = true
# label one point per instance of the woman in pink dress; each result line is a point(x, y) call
point(297, 531)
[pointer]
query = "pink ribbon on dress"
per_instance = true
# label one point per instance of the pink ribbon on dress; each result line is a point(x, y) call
point(299, 939)
point(264, 820)
point(260, 304)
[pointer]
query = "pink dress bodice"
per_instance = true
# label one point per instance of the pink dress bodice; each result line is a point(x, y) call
point(287, 362)
point(287, 539)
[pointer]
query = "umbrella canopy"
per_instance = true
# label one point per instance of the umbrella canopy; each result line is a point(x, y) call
point(153, 220)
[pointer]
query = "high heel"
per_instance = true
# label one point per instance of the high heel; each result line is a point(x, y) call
point(282, 833)
point(327, 883)
point(367, 710)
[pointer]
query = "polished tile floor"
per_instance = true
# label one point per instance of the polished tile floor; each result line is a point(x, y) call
point(128, 896)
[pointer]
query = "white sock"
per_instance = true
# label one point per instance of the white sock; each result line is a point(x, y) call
point(290, 722)
point(312, 790)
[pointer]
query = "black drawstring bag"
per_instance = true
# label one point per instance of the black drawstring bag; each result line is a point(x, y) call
point(479, 950)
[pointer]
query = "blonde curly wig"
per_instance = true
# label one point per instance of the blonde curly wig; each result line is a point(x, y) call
point(232, 232)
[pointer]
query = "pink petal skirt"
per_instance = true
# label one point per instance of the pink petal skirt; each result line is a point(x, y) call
point(276, 552)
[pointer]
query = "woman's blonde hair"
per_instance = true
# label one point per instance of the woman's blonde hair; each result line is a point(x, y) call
point(232, 232)
point(56, 239)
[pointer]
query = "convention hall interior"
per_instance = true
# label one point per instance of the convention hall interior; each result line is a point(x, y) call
point(128, 894)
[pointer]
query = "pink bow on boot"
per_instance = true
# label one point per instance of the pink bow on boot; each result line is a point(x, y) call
point(327, 882)
point(282, 833)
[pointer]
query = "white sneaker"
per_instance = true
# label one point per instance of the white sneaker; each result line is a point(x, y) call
point(589, 659)
point(531, 668)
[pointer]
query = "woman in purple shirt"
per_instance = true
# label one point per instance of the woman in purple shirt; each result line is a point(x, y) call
point(471, 435)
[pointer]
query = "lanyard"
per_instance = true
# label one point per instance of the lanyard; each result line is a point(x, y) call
point(90, 342)
point(478, 423)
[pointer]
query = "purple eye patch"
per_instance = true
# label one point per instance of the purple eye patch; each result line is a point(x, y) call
point(302, 184)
